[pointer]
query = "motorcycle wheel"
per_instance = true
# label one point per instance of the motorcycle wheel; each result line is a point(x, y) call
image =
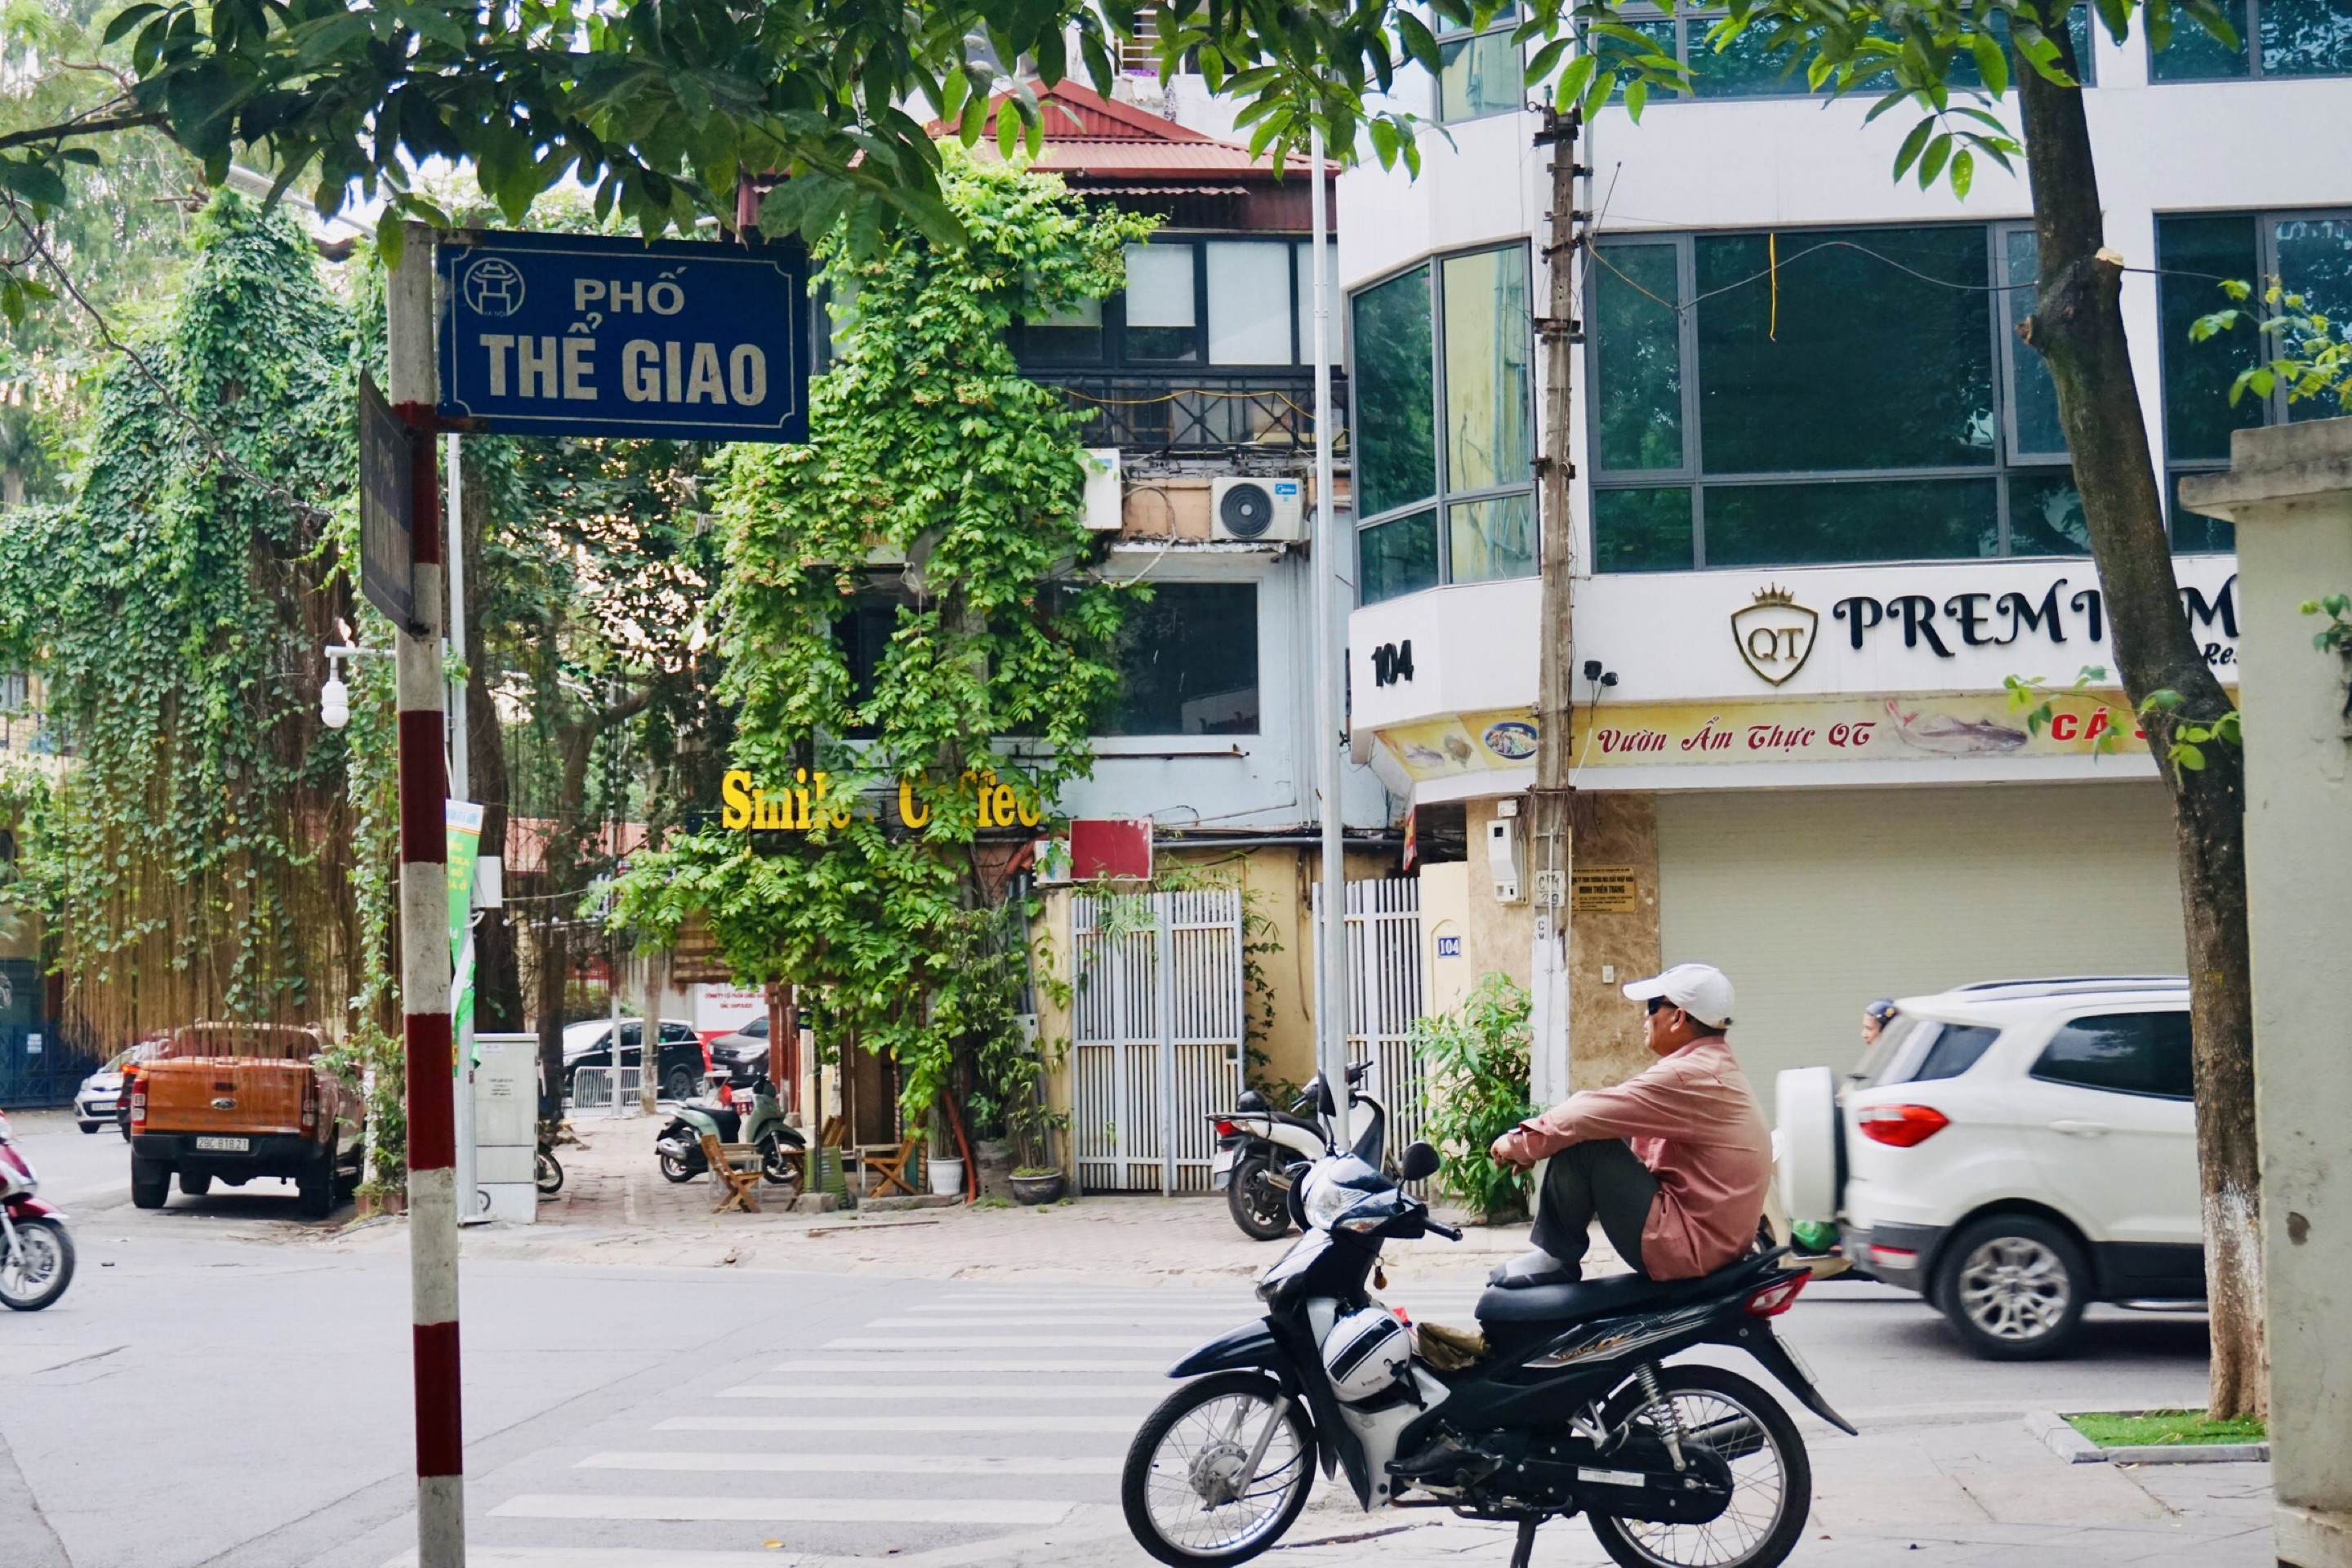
point(680, 1167)
point(1188, 1456)
point(41, 1269)
point(1259, 1207)
point(548, 1174)
point(1771, 1478)
point(780, 1164)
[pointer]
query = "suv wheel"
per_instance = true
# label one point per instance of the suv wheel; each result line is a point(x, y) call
point(2014, 1286)
point(679, 1085)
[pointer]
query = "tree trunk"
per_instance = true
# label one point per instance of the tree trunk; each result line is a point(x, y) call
point(2077, 325)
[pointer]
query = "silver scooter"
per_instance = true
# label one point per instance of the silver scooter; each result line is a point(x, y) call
point(678, 1147)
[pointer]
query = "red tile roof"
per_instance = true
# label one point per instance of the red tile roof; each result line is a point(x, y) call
point(1090, 138)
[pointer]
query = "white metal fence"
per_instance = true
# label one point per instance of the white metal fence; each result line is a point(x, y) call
point(592, 1087)
point(1156, 1036)
point(1384, 997)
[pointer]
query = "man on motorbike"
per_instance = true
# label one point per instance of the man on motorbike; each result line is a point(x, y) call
point(1673, 1162)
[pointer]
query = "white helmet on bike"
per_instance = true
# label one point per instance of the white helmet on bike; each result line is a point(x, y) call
point(1366, 1354)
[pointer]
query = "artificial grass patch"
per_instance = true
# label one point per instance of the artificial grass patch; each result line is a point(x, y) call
point(2165, 1428)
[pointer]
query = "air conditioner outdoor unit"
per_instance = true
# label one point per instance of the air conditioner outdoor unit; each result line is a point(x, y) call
point(1106, 494)
point(1256, 512)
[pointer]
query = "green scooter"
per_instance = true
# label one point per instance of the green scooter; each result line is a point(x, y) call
point(680, 1146)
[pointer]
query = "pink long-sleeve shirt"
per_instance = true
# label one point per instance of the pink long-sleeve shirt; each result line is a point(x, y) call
point(1691, 1118)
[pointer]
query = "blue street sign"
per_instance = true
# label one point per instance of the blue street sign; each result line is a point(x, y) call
point(565, 334)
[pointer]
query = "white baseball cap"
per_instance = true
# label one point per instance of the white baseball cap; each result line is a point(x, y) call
point(1699, 989)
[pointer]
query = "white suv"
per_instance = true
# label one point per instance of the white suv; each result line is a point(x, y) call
point(2013, 1151)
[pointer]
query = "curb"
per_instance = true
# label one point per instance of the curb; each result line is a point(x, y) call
point(2061, 1439)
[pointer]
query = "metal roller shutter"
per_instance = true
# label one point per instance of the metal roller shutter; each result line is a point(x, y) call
point(1816, 901)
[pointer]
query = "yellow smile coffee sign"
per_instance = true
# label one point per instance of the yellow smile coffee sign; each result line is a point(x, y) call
point(811, 802)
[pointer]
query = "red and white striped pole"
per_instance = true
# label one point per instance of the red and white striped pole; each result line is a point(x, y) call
point(424, 961)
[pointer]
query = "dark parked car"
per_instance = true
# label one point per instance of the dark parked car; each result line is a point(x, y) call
point(744, 1055)
point(680, 1062)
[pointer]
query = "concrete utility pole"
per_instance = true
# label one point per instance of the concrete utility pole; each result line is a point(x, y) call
point(1548, 846)
point(424, 965)
point(1331, 932)
point(470, 1189)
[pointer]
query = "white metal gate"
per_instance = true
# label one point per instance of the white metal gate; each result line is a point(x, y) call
point(1156, 1036)
point(1384, 997)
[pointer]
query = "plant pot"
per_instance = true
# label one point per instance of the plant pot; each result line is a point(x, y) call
point(947, 1177)
point(993, 1162)
point(1041, 1189)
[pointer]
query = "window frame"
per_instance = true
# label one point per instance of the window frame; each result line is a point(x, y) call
point(2005, 463)
point(1118, 358)
point(2253, 39)
point(1440, 498)
point(1128, 563)
point(1690, 28)
point(2275, 408)
point(1505, 22)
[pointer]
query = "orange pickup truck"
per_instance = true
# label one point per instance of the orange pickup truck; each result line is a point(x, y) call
point(240, 1100)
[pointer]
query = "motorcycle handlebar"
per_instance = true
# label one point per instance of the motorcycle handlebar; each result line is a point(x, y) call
point(1447, 1231)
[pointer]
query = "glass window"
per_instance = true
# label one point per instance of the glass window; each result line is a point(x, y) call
point(1471, 359)
point(1844, 349)
point(1956, 1049)
point(1641, 531)
point(1162, 311)
point(1484, 75)
point(1249, 303)
point(1836, 395)
point(1745, 68)
point(1072, 335)
point(2045, 515)
point(2312, 257)
point(2275, 38)
point(2124, 1053)
point(1396, 393)
point(2303, 37)
point(1638, 356)
point(1396, 557)
point(1188, 662)
point(2034, 431)
point(1487, 437)
point(1492, 538)
point(1854, 520)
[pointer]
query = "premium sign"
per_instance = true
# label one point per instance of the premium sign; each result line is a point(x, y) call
point(594, 335)
point(1775, 633)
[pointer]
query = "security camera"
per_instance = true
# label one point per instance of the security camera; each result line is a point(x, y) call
point(334, 702)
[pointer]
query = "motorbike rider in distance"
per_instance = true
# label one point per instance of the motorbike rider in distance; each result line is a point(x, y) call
point(1675, 1161)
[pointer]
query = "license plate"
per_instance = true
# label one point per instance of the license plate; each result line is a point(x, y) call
point(1224, 1160)
point(223, 1145)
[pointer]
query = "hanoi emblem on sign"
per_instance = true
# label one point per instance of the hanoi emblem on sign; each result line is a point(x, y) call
point(1775, 633)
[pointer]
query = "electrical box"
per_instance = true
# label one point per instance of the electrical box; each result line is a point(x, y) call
point(506, 1126)
point(1106, 497)
point(1257, 512)
point(1507, 861)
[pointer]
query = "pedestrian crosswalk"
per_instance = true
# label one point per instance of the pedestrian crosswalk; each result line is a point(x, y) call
point(959, 1423)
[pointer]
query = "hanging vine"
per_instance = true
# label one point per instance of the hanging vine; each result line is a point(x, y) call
point(929, 446)
point(207, 852)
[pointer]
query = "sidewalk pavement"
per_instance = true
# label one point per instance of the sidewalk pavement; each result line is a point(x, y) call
point(616, 1208)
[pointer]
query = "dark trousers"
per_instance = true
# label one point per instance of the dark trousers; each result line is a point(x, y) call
point(1597, 1178)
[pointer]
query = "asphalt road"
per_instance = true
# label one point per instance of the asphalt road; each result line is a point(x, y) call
point(216, 1390)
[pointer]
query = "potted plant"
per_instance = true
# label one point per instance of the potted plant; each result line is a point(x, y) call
point(941, 1160)
point(1036, 1178)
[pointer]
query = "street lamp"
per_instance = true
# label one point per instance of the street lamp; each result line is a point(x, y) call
point(334, 695)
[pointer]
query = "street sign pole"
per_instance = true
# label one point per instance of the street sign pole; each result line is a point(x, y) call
point(424, 958)
point(1331, 932)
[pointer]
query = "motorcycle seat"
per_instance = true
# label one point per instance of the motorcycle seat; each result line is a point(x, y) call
point(1576, 1301)
point(1284, 1118)
point(728, 1121)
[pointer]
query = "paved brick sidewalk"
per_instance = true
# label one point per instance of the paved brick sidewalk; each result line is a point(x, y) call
point(616, 1208)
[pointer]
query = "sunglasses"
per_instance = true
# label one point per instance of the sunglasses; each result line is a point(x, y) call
point(1658, 1003)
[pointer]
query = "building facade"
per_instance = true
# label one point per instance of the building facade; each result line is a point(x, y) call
point(1823, 516)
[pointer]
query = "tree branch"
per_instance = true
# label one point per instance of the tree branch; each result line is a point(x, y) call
point(79, 126)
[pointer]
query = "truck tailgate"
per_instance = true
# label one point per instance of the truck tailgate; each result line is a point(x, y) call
point(224, 1094)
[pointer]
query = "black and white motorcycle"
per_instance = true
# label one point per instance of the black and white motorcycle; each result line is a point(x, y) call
point(1258, 1147)
point(1568, 1410)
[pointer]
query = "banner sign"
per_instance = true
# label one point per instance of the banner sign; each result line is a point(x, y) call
point(810, 801)
point(463, 819)
point(387, 508)
point(564, 334)
point(1914, 727)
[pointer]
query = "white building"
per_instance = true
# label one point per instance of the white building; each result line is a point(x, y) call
point(1822, 511)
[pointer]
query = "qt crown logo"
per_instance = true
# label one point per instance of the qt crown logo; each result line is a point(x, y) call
point(1775, 633)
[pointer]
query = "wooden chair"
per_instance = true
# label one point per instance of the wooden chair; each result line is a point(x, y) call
point(888, 1166)
point(737, 1167)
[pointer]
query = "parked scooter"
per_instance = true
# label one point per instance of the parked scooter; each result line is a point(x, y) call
point(1563, 1404)
point(751, 1116)
point(37, 1255)
point(1257, 1145)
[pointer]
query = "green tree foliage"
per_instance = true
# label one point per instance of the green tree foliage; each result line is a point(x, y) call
point(196, 857)
point(928, 445)
point(1478, 1060)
